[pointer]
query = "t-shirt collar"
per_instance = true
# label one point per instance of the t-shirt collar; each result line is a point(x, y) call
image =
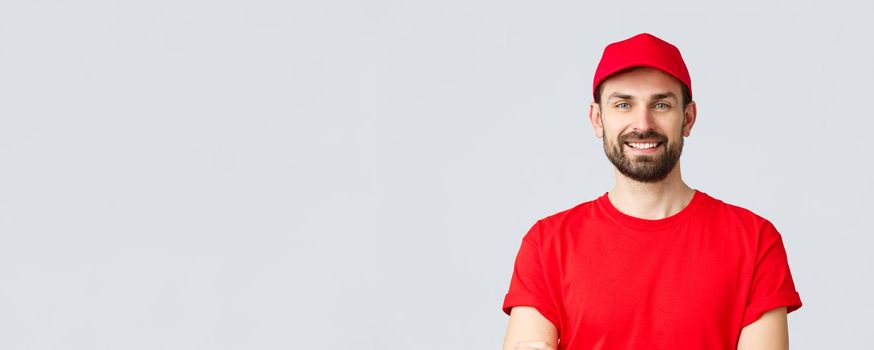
point(637, 223)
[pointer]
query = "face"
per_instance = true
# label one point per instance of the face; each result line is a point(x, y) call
point(642, 123)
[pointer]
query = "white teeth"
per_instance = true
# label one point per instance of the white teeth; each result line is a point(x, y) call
point(643, 145)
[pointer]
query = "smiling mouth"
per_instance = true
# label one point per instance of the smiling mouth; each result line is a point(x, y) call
point(643, 145)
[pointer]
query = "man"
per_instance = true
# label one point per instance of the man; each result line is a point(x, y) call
point(653, 263)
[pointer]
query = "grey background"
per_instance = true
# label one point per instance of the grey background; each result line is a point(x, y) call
point(359, 174)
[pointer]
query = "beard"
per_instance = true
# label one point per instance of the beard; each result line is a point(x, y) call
point(644, 168)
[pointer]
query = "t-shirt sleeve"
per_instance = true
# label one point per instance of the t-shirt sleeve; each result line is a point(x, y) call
point(529, 284)
point(772, 285)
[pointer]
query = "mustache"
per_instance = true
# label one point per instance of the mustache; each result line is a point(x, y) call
point(637, 136)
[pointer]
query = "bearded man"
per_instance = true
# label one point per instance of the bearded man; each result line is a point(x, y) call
point(652, 263)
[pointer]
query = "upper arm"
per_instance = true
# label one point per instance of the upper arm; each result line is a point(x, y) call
point(771, 331)
point(528, 324)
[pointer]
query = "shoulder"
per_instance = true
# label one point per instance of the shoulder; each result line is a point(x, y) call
point(548, 227)
point(741, 224)
point(732, 213)
point(573, 215)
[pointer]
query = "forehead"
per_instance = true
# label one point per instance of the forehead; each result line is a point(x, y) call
point(641, 81)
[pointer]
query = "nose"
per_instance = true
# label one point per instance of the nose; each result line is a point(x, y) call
point(642, 120)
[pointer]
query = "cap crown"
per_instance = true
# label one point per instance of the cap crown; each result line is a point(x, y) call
point(642, 50)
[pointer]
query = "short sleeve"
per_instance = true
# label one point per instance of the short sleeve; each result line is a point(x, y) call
point(529, 284)
point(772, 285)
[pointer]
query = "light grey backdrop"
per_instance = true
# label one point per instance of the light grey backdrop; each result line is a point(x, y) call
point(359, 174)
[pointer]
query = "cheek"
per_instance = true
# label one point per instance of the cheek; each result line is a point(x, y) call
point(672, 128)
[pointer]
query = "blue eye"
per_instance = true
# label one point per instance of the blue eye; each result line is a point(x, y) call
point(623, 105)
point(662, 105)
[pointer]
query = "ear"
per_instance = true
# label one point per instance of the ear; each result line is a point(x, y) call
point(691, 113)
point(595, 119)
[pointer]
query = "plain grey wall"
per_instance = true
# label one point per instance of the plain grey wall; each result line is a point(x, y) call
point(359, 174)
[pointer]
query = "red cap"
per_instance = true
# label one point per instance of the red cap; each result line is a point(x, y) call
point(643, 49)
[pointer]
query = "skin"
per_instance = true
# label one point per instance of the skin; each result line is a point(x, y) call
point(771, 331)
point(642, 100)
point(528, 329)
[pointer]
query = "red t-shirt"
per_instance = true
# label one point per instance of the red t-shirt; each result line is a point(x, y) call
point(693, 280)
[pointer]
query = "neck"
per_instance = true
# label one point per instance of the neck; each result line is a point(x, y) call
point(653, 201)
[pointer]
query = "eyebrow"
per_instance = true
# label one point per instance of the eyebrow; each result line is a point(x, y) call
point(663, 95)
point(619, 96)
point(658, 96)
